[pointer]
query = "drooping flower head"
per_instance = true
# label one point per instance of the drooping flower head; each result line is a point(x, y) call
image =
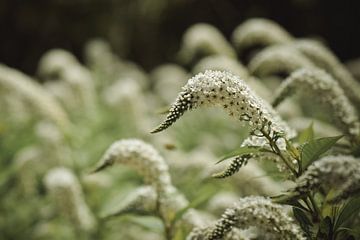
point(259, 212)
point(34, 95)
point(202, 40)
point(153, 168)
point(65, 188)
point(259, 32)
point(216, 88)
point(278, 59)
point(338, 172)
point(142, 157)
point(320, 86)
point(322, 57)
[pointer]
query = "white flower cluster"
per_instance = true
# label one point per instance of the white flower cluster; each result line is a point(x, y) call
point(33, 94)
point(325, 59)
point(65, 188)
point(221, 63)
point(142, 157)
point(341, 173)
point(62, 66)
point(259, 32)
point(320, 86)
point(216, 88)
point(278, 59)
point(260, 212)
point(203, 40)
point(153, 168)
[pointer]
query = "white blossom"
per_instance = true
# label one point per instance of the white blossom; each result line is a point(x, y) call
point(215, 88)
point(269, 218)
point(33, 94)
point(142, 157)
point(153, 168)
point(60, 65)
point(202, 40)
point(259, 32)
point(325, 59)
point(320, 86)
point(66, 190)
point(278, 59)
point(341, 173)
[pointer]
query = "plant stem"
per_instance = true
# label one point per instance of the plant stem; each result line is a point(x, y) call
point(277, 151)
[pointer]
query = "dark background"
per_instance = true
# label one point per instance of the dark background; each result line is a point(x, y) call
point(149, 31)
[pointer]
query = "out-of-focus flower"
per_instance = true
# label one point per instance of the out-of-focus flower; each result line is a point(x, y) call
point(260, 212)
point(202, 40)
point(66, 190)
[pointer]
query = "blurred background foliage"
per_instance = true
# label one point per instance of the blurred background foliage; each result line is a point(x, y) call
point(106, 97)
point(149, 31)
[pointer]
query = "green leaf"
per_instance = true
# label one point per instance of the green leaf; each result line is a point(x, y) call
point(307, 134)
point(351, 208)
point(241, 151)
point(303, 219)
point(152, 224)
point(325, 228)
point(312, 150)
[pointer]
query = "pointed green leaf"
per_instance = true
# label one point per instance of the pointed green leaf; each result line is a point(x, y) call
point(312, 150)
point(351, 208)
point(241, 151)
point(302, 217)
point(307, 134)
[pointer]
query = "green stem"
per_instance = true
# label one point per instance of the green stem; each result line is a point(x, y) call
point(276, 150)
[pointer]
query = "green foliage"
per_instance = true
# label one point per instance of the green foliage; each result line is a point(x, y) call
point(313, 149)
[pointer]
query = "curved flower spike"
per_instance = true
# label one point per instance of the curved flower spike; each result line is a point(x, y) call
point(142, 157)
point(320, 86)
point(149, 164)
point(259, 32)
point(142, 200)
point(278, 59)
point(216, 88)
point(34, 94)
point(65, 188)
point(221, 63)
point(260, 212)
point(338, 172)
point(202, 40)
point(325, 59)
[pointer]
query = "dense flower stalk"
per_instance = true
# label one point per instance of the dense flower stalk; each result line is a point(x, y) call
point(268, 217)
point(278, 59)
point(60, 65)
point(215, 88)
point(325, 59)
point(34, 94)
point(142, 157)
point(153, 168)
point(65, 188)
point(202, 40)
point(320, 86)
point(338, 172)
point(259, 32)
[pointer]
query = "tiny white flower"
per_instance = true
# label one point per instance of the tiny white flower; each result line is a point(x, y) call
point(65, 188)
point(259, 32)
point(320, 86)
point(269, 218)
